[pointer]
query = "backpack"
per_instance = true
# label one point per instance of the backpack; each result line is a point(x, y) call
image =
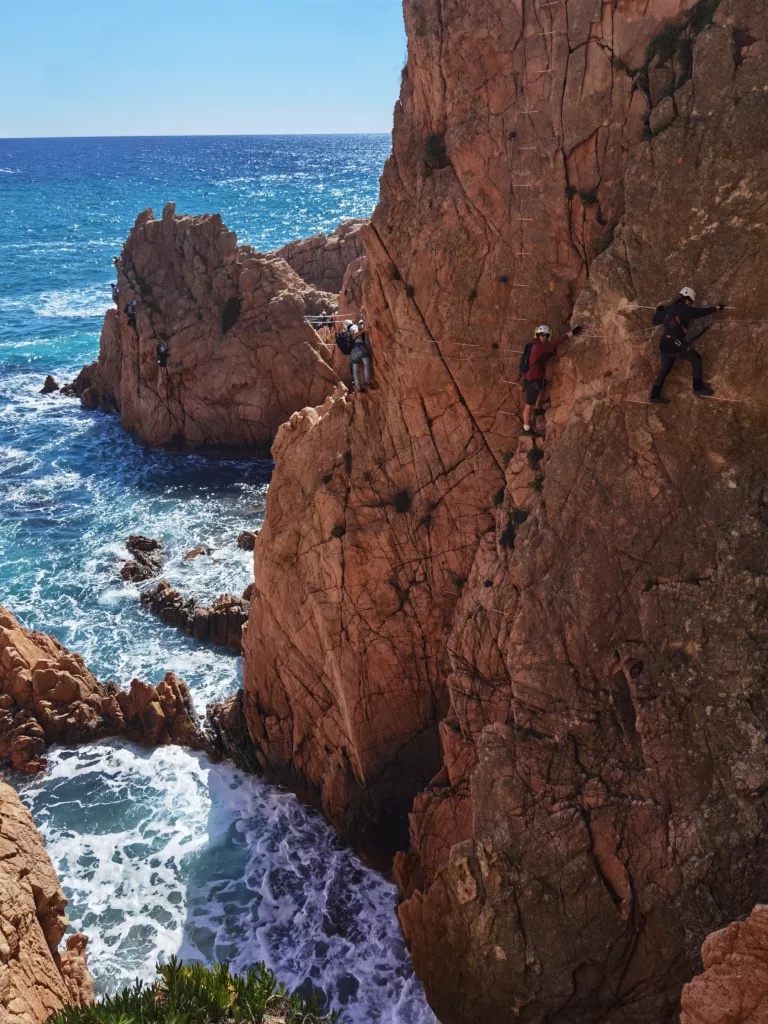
point(344, 342)
point(525, 359)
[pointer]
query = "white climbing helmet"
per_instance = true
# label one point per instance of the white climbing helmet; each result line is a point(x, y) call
point(348, 324)
point(543, 329)
point(354, 330)
point(688, 293)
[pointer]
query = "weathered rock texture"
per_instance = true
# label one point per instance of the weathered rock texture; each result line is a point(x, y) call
point(148, 559)
point(734, 986)
point(47, 695)
point(241, 357)
point(36, 979)
point(322, 260)
point(221, 623)
point(558, 654)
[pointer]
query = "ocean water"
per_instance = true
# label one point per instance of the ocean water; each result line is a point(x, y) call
point(161, 852)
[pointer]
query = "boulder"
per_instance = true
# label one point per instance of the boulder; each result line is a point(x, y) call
point(49, 386)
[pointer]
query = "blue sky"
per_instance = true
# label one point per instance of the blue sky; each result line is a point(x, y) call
point(199, 67)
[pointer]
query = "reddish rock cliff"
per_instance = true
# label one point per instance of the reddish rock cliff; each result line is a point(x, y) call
point(47, 695)
point(36, 979)
point(322, 260)
point(734, 986)
point(556, 648)
point(241, 357)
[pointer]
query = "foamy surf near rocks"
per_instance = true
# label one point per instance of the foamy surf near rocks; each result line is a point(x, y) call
point(36, 978)
point(48, 695)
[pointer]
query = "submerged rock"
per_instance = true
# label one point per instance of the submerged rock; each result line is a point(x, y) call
point(48, 695)
point(36, 978)
point(148, 556)
point(201, 549)
point(221, 623)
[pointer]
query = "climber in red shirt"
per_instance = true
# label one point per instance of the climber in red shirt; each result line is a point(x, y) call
point(542, 349)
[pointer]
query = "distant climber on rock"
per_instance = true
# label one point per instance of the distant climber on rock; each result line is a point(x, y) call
point(130, 312)
point(360, 354)
point(540, 353)
point(115, 295)
point(162, 355)
point(326, 319)
point(674, 343)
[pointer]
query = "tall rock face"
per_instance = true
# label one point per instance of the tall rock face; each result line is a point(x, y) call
point(241, 357)
point(322, 260)
point(551, 652)
point(734, 986)
point(36, 979)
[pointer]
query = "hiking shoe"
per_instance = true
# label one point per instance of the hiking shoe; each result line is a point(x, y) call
point(529, 433)
point(658, 401)
point(703, 392)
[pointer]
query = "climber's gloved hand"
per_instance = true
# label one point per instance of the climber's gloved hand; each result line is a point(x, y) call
point(576, 330)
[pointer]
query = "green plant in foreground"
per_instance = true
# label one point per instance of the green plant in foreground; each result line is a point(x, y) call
point(199, 995)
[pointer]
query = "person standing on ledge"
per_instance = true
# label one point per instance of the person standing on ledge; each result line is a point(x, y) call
point(674, 343)
point(543, 347)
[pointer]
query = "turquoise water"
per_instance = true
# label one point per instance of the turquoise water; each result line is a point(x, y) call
point(161, 852)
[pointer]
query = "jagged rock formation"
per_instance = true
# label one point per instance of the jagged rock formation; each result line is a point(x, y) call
point(148, 559)
point(734, 986)
point(241, 356)
point(36, 979)
point(322, 260)
point(47, 695)
point(221, 623)
point(551, 655)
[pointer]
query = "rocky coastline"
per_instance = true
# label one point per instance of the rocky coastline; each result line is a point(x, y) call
point(524, 672)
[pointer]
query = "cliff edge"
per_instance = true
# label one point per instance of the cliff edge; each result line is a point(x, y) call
point(35, 978)
point(539, 663)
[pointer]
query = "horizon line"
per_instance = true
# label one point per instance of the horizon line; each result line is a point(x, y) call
point(180, 135)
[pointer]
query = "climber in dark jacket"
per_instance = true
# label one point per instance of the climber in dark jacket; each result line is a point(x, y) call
point(162, 355)
point(674, 343)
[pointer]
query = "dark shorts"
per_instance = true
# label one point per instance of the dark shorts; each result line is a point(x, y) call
point(533, 389)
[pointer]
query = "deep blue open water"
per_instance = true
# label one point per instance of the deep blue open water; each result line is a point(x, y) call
point(161, 852)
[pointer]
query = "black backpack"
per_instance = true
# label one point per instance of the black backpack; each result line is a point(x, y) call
point(344, 342)
point(525, 359)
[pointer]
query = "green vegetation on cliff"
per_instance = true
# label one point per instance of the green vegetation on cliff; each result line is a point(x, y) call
point(200, 995)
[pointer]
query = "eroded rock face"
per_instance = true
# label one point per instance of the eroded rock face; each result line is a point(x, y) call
point(221, 622)
point(240, 356)
point(322, 260)
point(734, 986)
point(551, 654)
point(47, 695)
point(36, 979)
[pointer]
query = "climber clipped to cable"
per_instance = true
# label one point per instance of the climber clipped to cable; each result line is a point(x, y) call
point(675, 344)
point(360, 355)
point(162, 355)
point(130, 312)
point(532, 368)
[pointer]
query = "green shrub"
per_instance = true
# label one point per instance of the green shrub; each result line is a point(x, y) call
point(588, 196)
point(199, 995)
point(410, 291)
point(396, 275)
point(571, 191)
point(498, 497)
point(339, 531)
point(507, 538)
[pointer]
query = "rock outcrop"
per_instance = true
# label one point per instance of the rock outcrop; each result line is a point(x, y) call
point(550, 654)
point(221, 623)
point(241, 357)
point(322, 260)
point(36, 979)
point(47, 695)
point(148, 559)
point(734, 986)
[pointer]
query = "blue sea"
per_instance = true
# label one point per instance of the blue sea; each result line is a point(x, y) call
point(161, 852)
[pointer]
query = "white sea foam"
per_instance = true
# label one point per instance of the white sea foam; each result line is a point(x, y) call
point(77, 303)
point(163, 853)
